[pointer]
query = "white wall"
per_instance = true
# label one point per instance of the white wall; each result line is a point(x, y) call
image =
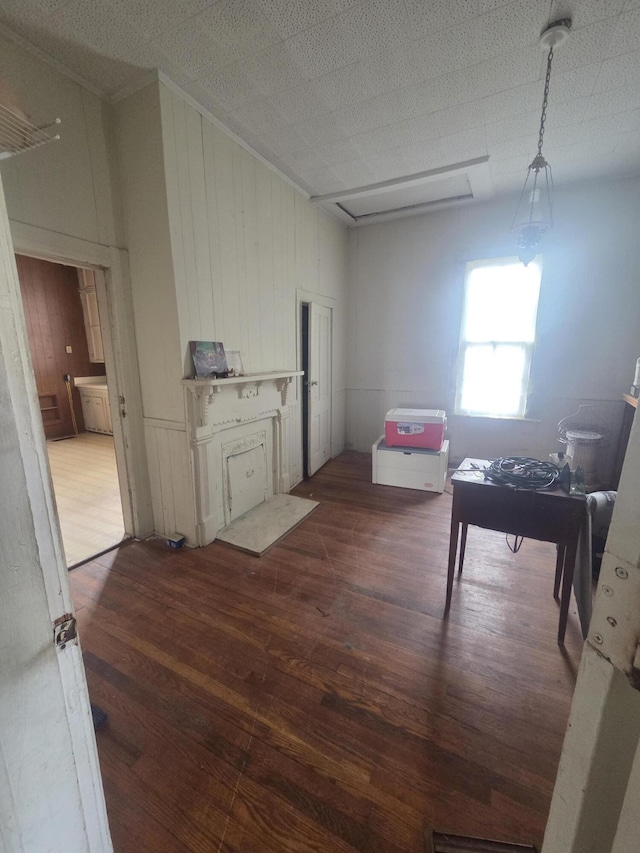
point(219, 246)
point(405, 301)
point(64, 187)
point(63, 205)
point(146, 220)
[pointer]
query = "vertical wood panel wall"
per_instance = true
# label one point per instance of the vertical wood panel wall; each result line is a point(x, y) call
point(244, 241)
point(53, 313)
point(219, 246)
point(66, 186)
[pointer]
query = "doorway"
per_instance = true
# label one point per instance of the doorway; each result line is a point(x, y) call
point(65, 340)
point(315, 359)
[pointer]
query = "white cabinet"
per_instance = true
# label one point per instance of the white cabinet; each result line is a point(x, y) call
point(89, 302)
point(96, 409)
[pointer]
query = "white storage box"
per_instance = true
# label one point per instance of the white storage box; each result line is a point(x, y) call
point(410, 467)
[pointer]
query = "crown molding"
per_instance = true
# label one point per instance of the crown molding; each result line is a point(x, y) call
point(24, 43)
point(159, 76)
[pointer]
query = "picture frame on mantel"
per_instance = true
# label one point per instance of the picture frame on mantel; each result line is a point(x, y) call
point(234, 362)
point(209, 359)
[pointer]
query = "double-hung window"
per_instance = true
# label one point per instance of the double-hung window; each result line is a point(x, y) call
point(497, 336)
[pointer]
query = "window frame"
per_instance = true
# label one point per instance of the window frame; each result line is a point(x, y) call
point(526, 346)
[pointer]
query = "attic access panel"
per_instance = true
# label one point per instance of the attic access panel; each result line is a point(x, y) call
point(413, 194)
point(455, 188)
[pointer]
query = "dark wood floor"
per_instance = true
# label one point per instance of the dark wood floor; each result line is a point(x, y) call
point(314, 698)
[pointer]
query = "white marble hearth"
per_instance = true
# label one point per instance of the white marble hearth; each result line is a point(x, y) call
point(239, 434)
point(267, 523)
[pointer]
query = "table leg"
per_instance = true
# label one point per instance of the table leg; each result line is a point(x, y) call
point(453, 547)
point(559, 562)
point(567, 584)
point(463, 545)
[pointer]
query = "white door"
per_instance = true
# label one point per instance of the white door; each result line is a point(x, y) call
point(89, 300)
point(319, 386)
point(51, 796)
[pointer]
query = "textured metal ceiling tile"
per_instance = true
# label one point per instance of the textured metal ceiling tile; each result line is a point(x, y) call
point(299, 104)
point(618, 72)
point(346, 85)
point(340, 151)
point(231, 85)
point(585, 46)
point(425, 18)
point(372, 86)
point(273, 70)
point(586, 11)
point(376, 25)
point(321, 48)
point(240, 25)
point(512, 26)
point(289, 17)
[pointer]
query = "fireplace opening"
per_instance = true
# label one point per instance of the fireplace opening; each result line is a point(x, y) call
point(247, 483)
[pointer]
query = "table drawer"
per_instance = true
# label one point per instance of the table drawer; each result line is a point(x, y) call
point(535, 515)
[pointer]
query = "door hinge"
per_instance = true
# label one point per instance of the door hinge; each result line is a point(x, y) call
point(65, 630)
point(614, 631)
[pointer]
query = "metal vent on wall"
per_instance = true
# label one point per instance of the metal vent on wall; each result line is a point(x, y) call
point(17, 134)
point(415, 194)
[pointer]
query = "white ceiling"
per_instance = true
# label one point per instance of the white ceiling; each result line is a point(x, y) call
point(341, 94)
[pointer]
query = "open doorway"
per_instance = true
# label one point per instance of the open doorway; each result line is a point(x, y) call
point(65, 340)
point(315, 359)
point(304, 337)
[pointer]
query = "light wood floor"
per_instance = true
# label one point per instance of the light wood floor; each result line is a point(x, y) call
point(314, 699)
point(85, 482)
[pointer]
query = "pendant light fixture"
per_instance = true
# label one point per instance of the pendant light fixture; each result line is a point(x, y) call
point(534, 214)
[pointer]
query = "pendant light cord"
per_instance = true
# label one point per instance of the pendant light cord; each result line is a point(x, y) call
point(545, 99)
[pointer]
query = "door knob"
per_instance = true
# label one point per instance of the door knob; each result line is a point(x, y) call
point(313, 382)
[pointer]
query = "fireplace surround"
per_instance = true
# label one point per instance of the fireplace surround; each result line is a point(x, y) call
point(240, 440)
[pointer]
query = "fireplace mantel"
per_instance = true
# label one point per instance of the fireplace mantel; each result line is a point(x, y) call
point(205, 390)
point(225, 418)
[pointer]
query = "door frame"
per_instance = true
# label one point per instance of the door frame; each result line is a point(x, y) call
point(37, 596)
point(115, 307)
point(307, 297)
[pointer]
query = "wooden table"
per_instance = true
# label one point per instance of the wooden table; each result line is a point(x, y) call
point(550, 515)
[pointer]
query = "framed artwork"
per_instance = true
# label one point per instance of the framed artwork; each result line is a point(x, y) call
point(209, 360)
point(234, 362)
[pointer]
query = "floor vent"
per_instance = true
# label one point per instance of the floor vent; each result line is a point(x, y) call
point(440, 842)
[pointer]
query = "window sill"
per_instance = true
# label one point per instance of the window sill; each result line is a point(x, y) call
point(497, 418)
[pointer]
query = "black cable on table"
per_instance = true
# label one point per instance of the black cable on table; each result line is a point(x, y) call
point(522, 472)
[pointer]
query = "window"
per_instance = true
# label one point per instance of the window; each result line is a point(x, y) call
point(497, 336)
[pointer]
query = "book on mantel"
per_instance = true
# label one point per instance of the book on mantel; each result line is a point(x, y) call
point(209, 360)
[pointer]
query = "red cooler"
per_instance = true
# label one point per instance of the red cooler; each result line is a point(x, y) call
point(415, 428)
